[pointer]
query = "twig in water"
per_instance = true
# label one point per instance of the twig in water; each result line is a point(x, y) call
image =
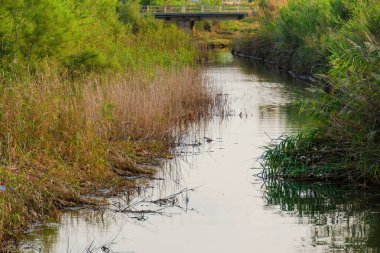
point(169, 201)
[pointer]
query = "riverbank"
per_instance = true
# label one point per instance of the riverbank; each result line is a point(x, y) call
point(88, 102)
point(343, 142)
point(304, 77)
point(221, 34)
point(62, 146)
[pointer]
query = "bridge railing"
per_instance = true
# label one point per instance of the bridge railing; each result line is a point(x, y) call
point(225, 8)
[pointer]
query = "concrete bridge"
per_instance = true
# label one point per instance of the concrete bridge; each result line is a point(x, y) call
point(186, 15)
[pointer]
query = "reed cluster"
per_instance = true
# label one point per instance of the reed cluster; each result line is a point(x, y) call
point(89, 91)
point(61, 138)
point(339, 42)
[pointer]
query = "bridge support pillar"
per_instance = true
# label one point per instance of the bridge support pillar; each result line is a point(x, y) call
point(187, 25)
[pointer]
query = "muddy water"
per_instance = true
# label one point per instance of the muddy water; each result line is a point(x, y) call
point(210, 199)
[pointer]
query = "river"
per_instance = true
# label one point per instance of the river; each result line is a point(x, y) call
point(209, 198)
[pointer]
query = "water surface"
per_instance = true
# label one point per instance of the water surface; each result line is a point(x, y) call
point(224, 207)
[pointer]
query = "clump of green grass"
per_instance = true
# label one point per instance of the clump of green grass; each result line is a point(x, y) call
point(343, 142)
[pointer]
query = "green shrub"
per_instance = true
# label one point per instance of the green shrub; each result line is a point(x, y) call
point(88, 35)
point(296, 36)
point(129, 14)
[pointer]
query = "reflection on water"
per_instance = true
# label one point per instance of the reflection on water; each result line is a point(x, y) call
point(341, 218)
point(210, 199)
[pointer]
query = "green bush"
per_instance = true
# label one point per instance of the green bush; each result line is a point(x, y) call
point(88, 35)
point(129, 14)
point(62, 31)
point(295, 37)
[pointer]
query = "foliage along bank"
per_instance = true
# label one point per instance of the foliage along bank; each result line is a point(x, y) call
point(338, 41)
point(85, 36)
point(89, 91)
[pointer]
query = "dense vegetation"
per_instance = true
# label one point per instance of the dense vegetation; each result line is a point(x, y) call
point(84, 35)
point(89, 90)
point(338, 41)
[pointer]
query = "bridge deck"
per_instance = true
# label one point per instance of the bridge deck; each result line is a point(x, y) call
point(186, 15)
point(199, 9)
point(201, 16)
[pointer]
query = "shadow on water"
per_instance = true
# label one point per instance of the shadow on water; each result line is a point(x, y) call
point(263, 71)
point(342, 218)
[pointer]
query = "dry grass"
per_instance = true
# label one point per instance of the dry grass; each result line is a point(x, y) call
point(146, 109)
point(61, 138)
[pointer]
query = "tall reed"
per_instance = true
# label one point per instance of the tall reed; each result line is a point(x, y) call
point(61, 138)
point(343, 142)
